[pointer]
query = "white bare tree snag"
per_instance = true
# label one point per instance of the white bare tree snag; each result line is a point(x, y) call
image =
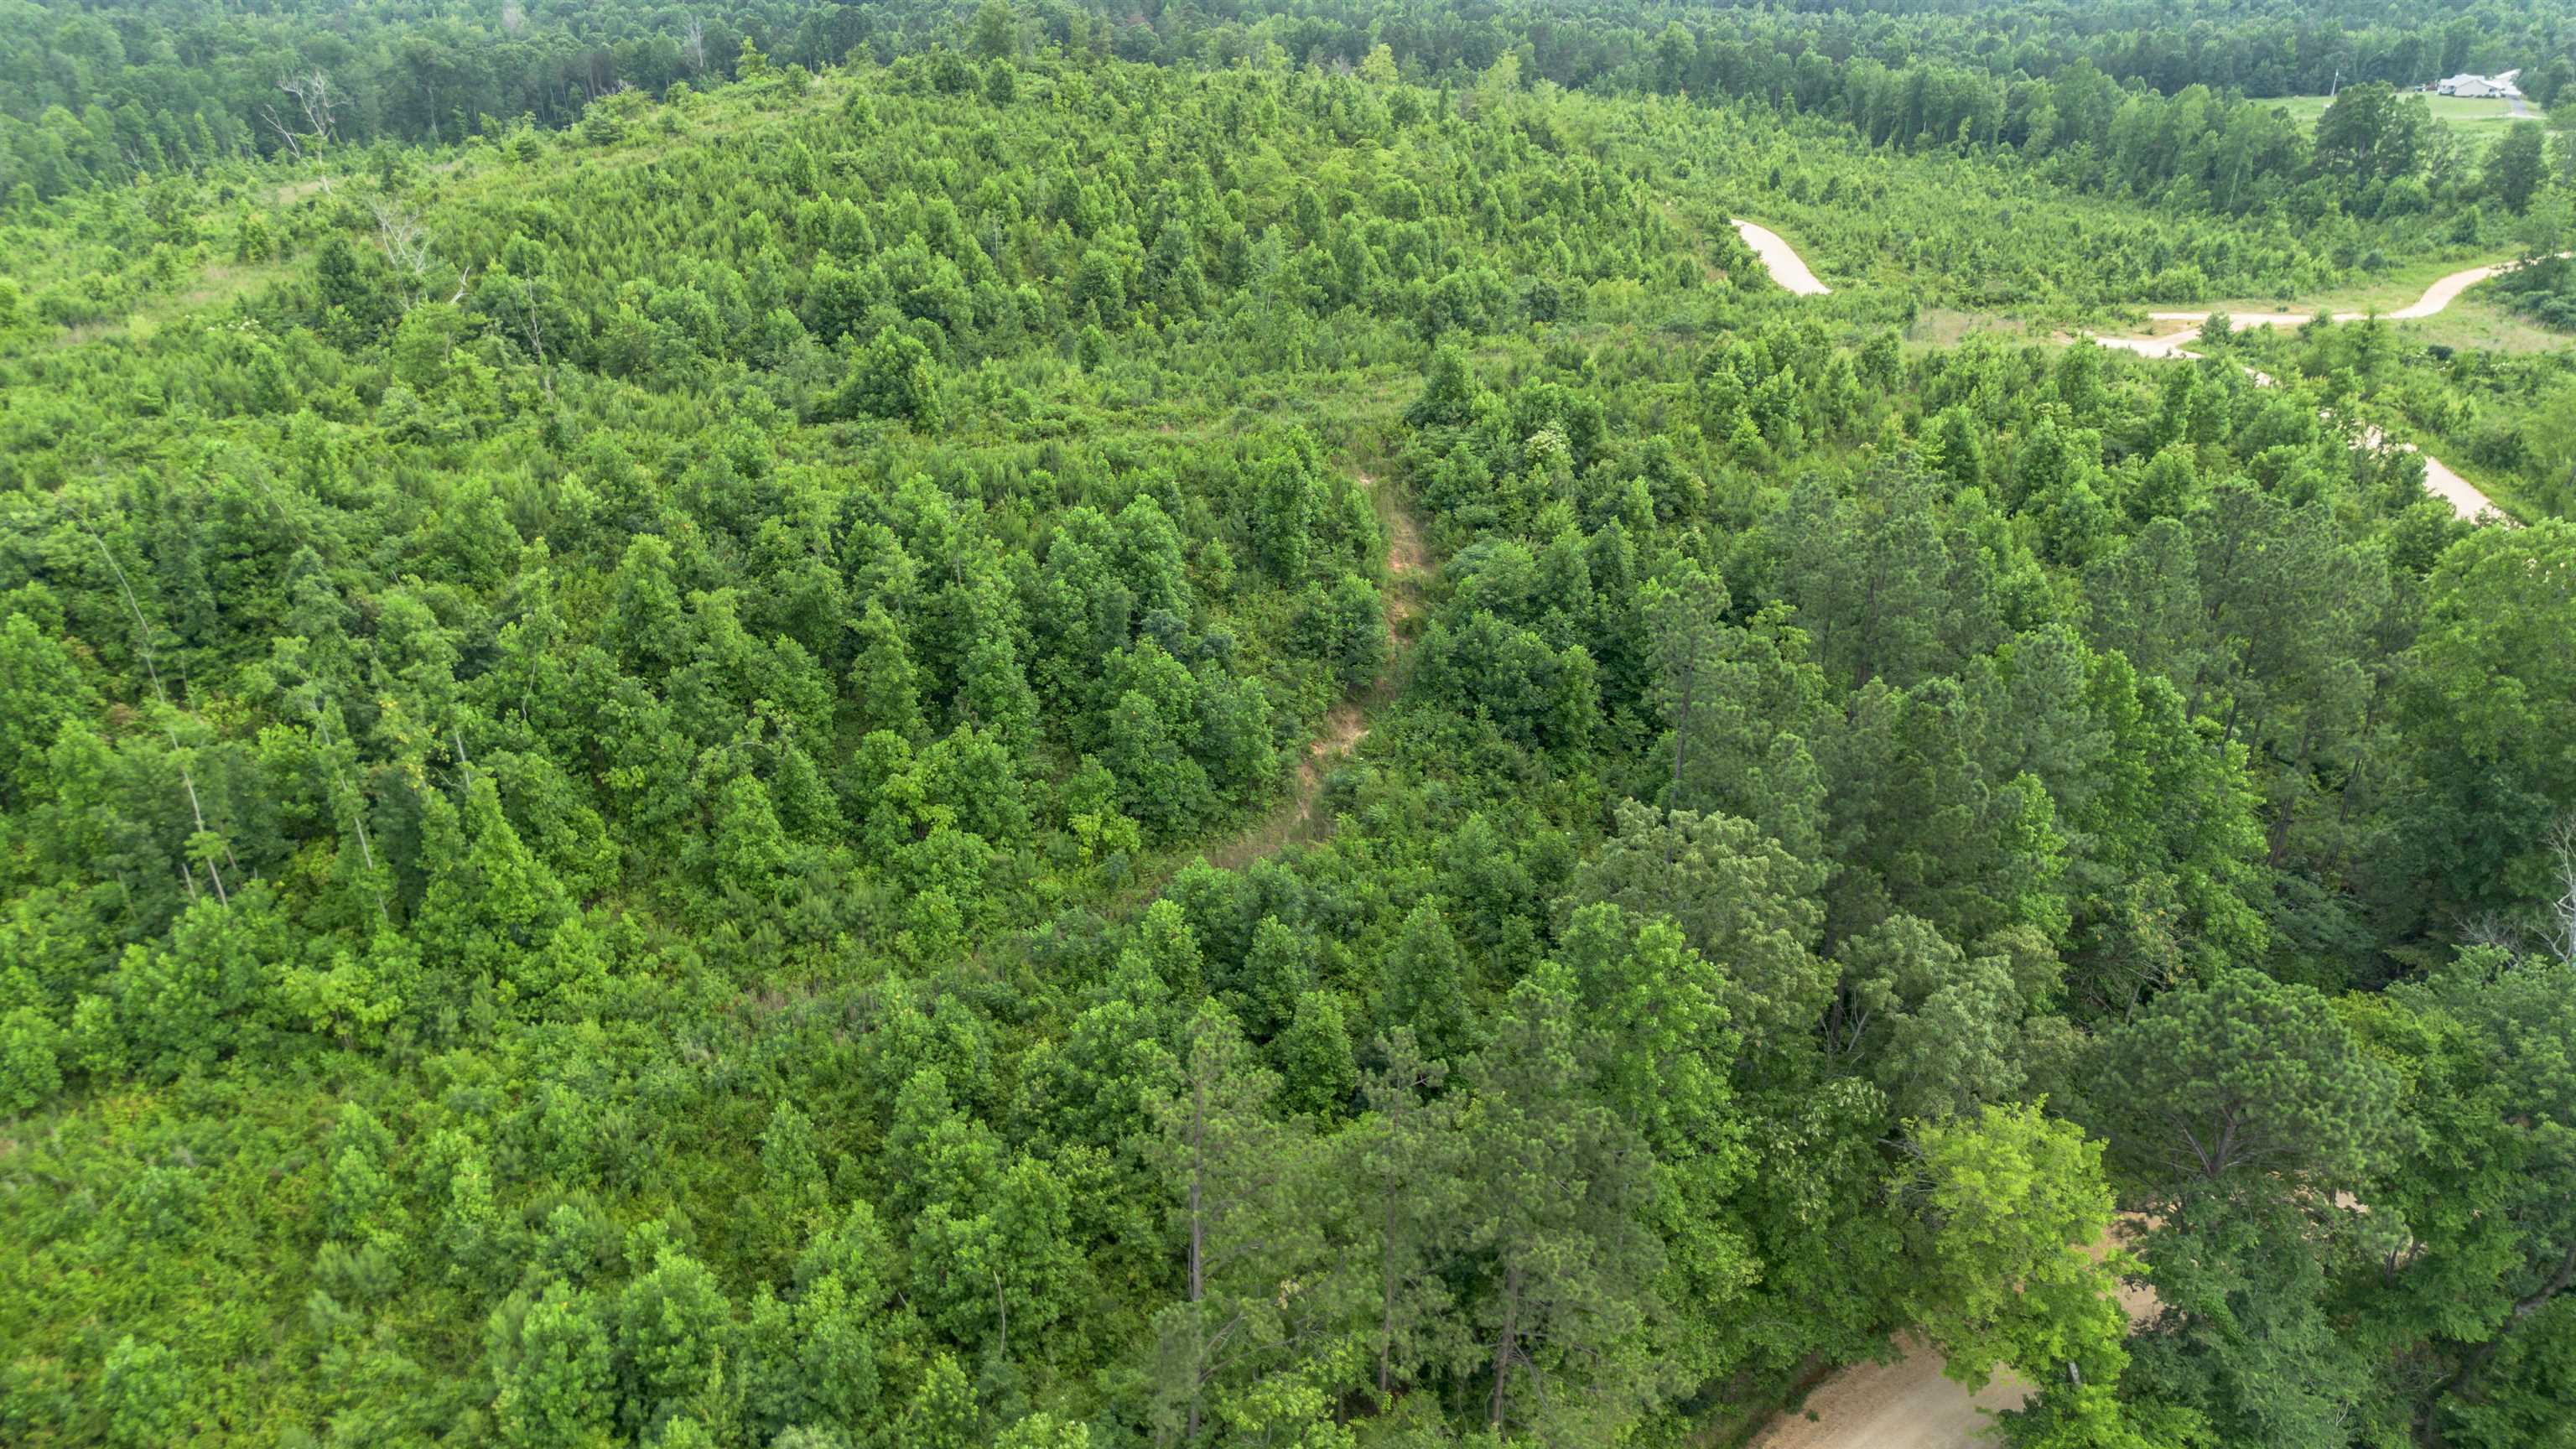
point(312, 120)
point(406, 244)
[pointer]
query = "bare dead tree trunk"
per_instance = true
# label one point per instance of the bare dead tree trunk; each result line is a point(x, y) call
point(143, 644)
point(1198, 1240)
point(537, 336)
point(1002, 1311)
point(199, 812)
point(2560, 926)
point(315, 103)
point(286, 133)
point(357, 808)
point(406, 244)
point(2491, 928)
point(1506, 1346)
point(313, 93)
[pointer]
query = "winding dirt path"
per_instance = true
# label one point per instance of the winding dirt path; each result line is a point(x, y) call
point(1905, 1404)
point(2439, 479)
point(2442, 483)
point(2441, 294)
point(1791, 271)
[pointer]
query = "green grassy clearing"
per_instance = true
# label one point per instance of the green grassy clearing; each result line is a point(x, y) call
point(2399, 286)
point(2474, 322)
point(2479, 120)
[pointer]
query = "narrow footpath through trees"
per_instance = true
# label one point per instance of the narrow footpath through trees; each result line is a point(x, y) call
point(1348, 722)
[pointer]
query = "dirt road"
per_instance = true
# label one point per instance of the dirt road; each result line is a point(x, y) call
point(1900, 1405)
point(2436, 297)
point(1907, 1404)
point(2439, 480)
point(1791, 272)
point(1787, 267)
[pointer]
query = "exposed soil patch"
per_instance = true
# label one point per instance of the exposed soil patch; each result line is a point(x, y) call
point(1907, 1404)
point(1406, 562)
point(1787, 267)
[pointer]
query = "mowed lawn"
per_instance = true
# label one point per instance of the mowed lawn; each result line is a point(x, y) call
point(2478, 119)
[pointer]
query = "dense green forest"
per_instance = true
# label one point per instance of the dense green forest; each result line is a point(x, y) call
point(1074, 729)
point(2108, 96)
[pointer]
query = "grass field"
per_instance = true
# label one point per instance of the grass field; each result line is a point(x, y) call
point(2474, 323)
point(2399, 286)
point(1942, 327)
point(2476, 120)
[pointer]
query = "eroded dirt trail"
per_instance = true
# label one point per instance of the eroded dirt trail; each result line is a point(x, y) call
point(1406, 561)
point(1348, 722)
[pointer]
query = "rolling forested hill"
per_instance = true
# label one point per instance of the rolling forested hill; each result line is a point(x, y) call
point(1039, 731)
